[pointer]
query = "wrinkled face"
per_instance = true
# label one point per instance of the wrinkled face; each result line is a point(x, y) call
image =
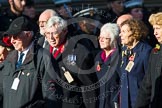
point(126, 35)
point(21, 41)
point(118, 6)
point(104, 41)
point(3, 53)
point(43, 18)
point(55, 37)
point(137, 13)
point(18, 5)
point(158, 32)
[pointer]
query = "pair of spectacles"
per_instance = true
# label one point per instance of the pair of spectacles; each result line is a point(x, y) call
point(51, 33)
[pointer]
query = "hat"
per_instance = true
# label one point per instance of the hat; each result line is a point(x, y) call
point(92, 13)
point(133, 3)
point(86, 12)
point(61, 1)
point(112, 0)
point(22, 23)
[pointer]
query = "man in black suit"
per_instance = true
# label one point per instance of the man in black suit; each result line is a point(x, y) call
point(75, 63)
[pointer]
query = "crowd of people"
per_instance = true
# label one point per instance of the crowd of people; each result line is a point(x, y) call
point(61, 59)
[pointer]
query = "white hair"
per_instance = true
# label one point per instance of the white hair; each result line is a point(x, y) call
point(56, 20)
point(112, 29)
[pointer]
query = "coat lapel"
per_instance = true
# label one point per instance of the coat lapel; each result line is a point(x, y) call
point(113, 63)
point(29, 56)
point(12, 57)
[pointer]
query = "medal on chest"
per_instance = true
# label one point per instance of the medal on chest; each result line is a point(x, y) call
point(71, 59)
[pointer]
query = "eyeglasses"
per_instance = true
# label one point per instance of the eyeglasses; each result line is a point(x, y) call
point(55, 34)
point(103, 38)
point(51, 33)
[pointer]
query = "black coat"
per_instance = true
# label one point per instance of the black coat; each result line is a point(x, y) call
point(41, 40)
point(150, 93)
point(109, 79)
point(1, 86)
point(6, 19)
point(37, 80)
point(80, 92)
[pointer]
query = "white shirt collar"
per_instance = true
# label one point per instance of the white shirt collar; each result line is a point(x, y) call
point(25, 52)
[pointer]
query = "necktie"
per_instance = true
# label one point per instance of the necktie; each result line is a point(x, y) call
point(54, 50)
point(19, 62)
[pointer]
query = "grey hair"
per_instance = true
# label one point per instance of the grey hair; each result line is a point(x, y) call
point(113, 30)
point(61, 23)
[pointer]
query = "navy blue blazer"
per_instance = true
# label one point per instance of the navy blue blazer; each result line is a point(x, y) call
point(130, 81)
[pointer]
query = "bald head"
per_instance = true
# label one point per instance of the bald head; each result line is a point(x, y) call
point(123, 18)
point(43, 18)
point(47, 14)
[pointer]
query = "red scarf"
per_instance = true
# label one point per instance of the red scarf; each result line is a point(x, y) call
point(60, 50)
point(103, 55)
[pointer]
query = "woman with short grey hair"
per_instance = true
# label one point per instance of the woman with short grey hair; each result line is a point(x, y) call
point(106, 64)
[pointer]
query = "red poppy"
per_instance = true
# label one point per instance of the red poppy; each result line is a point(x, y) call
point(7, 40)
point(157, 48)
point(131, 58)
point(98, 68)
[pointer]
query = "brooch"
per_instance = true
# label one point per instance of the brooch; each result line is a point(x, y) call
point(131, 58)
point(156, 49)
point(98, 67)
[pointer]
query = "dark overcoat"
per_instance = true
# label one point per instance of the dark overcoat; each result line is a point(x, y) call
point(81, 92)
point(108, 79)
point(37, 80)
point(150, 95)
